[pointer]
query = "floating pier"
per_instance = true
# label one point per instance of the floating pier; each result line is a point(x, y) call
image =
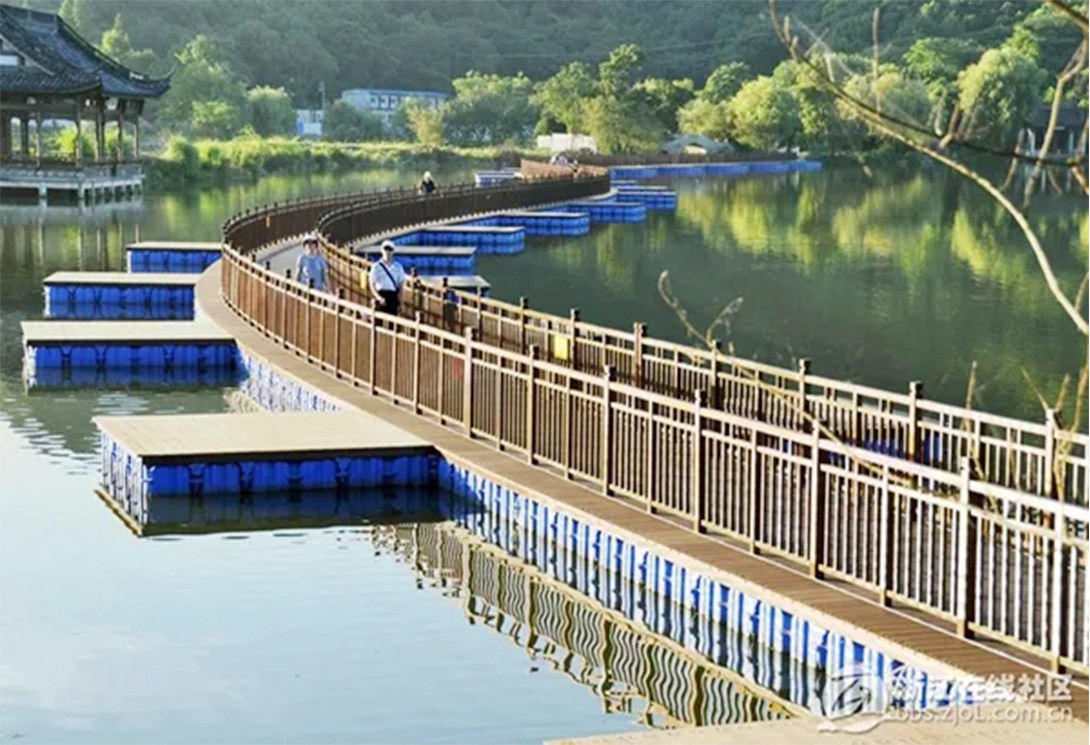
point(609, 210)
point(171, 256)
point(467, 283)
point(546, 222)
point(429, 259)
point(622, 174)
point(119, 295)
point(129, 345)
point(491, 178)
point(46, 378)
point(651, 197)
point(487, 239)
point(198, 454)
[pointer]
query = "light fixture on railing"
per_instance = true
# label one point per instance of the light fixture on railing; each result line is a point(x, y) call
point(111, 104)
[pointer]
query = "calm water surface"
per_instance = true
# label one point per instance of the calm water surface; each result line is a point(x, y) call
point(325, 634)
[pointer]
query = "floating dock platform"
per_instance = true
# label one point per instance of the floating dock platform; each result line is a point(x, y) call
point(491, 178)
point(198, 454)
point(487, 239)
point(46, 378)
point(651, 197)
point(171, 256)
point(551, 222)
point(464, 282)
point(119, 295)
point(429, 259)
point(128, 345)
point(619, 174)
point(609, 210)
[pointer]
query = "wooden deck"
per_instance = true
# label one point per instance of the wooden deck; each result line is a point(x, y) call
point(121, 332)
point(894, 631)
point(175, 246)
point(470, 282)
point(981, 731)
point(258, 436)
point(120, 278)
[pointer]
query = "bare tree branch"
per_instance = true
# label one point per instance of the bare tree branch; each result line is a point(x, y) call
point(1074, 67)
point(1075, 16)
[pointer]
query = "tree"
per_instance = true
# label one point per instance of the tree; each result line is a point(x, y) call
point(665, 97)
point(724, 81)
point(703, 117)
point(906, 99)
point(937, 61)
point(203, 77)
point(564, 96)
point(116, 45)
point(998, 92)
point(617, 74)
point(764, 113)
point(215, 119)
point(271, 112)
point(622, 125)
point(490, 109)
point(426, 122)
point(77, 14)
point(344, 123)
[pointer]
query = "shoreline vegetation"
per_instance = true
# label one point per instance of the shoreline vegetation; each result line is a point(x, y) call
point(183, 162)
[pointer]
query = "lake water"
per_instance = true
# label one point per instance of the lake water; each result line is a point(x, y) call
point(326, 634)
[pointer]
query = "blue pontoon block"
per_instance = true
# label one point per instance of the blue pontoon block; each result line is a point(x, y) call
point(108, 302)
point(161, 260)
point(155, 377)
point(609, 210)
point(652, 199)
point(487, 239)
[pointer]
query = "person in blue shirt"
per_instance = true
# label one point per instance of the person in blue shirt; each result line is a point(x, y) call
point(312, 265)
point(386, 279)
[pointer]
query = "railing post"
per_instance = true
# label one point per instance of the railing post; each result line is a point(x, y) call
point(467, 381)
point(713, 388)
point(699, 399)
point(284, 308)
point(804, 370)
point(1055, 626)
point(754, 489)
point(915, 389)
point(266, 301)
point(309, 293)
point(337, 334)
point(606, 445)
point(395, 333)
point(966, 592)
point(355, 347)
point(885, 545)
point(817, 506)
point(530, 424)
point(639, 328)
point(523, 305)
point(573, 318)
point(416, 363)
point(372, 364)
point(1050, 453)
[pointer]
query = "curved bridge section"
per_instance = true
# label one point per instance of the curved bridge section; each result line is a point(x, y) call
point(979, 521)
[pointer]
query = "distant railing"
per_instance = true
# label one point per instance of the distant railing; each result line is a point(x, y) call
point(971, 517)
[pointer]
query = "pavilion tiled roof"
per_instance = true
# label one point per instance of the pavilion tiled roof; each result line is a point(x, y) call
point(73, 63)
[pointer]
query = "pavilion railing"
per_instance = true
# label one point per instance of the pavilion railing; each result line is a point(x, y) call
point(953, 512)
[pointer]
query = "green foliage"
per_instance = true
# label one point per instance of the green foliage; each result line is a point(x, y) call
point(665, 97)
point(490, 109)
point(703, 117)
point(904, 99)
point(937, 61)
point(344, 123)
point(617, 74)
point(425, 122)
point(116, 45)
point(271, 112)
point(724, 82)
point(78, 15)
point(204, 78)
point(622, 125)
point(563, 96)
point(764, 113)
point(999, 91)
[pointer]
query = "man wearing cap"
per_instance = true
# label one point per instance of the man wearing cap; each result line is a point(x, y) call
point(386, 279)
point(312, 265)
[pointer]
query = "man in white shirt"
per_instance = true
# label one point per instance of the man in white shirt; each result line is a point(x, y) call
point(386, 279)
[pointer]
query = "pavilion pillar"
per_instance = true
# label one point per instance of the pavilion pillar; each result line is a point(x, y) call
point(24, 135)
point(5, 135)
point(136, 137)
point(120, 152)
point(100, 135)
point(79, 131)
point(38, 137)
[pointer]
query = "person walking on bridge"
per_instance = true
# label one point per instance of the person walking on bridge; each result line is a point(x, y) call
point(311, 265)
point(427, 184)
point(386, 279)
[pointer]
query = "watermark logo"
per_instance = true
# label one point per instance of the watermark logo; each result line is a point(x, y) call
point(857, 699)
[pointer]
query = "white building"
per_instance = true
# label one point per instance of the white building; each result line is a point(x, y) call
point(383, 102)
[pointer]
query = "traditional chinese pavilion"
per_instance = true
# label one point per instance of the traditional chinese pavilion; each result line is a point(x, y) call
point(48, 72)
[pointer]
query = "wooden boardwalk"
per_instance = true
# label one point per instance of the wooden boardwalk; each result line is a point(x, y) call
point(895, 631)
point(258, 436)
point(120, 278)
point(72, 333)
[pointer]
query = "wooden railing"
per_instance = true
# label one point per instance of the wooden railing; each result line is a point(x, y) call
point(954, 512)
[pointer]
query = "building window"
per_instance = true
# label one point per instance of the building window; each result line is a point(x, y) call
point(9, 60)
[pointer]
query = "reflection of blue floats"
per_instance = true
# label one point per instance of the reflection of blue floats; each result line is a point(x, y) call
point(622, 173)
point(553, 221)
point(782, 652)
point(82, 377)
point(118, 302)
point(162, 260)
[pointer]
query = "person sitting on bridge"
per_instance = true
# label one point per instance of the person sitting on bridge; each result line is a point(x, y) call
point(312, 264)
point(386, 279)
point(427, 184)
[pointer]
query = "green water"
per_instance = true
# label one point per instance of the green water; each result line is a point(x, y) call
point(906, 277)
point(320, 634)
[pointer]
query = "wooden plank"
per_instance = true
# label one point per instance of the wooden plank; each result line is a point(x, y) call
point(258, 435)
point(175, 246)
point(120, 278)
point(136, 332)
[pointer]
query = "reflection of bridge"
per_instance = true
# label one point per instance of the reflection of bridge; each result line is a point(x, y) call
point(976, 520)
point(631, 669)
